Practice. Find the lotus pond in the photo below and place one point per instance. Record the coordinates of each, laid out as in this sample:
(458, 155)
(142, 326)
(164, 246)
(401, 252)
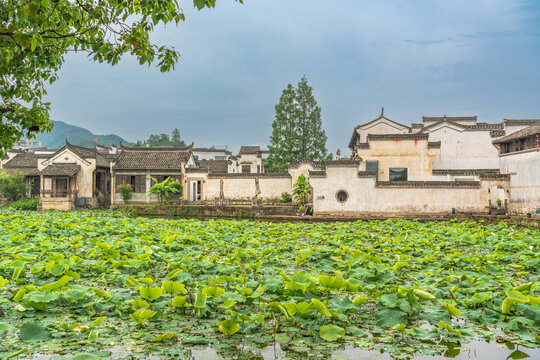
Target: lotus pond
(79, 284)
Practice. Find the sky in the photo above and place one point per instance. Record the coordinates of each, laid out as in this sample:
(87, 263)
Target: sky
(415, 58)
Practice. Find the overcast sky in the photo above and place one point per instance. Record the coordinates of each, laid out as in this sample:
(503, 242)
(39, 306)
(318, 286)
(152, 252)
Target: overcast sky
(422, 57)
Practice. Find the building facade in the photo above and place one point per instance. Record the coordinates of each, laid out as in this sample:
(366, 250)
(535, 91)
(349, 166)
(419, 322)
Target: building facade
(444, 164)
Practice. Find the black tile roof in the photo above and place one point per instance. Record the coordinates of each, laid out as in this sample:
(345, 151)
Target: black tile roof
(26, 160)
(449, 118)
(523, 133)
(61, 170)
(153, 158)
(214, 166)
(249, 150)
(314, 164)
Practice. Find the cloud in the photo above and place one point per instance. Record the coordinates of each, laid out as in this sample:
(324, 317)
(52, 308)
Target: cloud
(415, 58)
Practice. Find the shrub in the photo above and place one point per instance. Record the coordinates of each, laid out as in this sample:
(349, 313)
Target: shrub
(126, 192)
(165, 189)
(302, 190)
(286, 197)
(25, 204)
(13, 186)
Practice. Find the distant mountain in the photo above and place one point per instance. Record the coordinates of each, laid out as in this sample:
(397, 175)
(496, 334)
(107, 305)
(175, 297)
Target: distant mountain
(76, 135)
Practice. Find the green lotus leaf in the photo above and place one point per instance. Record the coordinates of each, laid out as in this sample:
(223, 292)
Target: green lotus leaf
(180, 301)
(58, 284)
(359, 300)
(7, 327)
(150, 293)
(331, 332)
(34, 332)
(85, 356)
(138, 304)
(141, 316)
(228, 327)
(214, 291)
(452, 309)
(321, 307)
(173, 287)
(391, 317)
(200, 301)
(424, 295)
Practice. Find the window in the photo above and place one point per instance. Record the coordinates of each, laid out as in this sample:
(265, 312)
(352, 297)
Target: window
(372, 165)
(61, 187)
(137, 181)
(246, 169)
(220, 157)
(195, 157)
(342, 196)
(398, 174)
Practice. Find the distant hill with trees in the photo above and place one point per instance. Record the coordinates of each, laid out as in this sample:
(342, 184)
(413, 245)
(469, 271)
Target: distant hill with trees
(162, 140)
(76, 135)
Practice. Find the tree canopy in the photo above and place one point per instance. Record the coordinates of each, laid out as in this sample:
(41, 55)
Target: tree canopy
(163, 140)
(35, 35)
(297, 129)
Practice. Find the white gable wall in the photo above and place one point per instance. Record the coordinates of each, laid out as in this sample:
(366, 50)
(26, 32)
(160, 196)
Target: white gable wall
(524, 170)
(462, 149)
(380, 127)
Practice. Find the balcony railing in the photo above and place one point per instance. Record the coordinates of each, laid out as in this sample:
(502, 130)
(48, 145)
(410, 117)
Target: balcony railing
(58, 193)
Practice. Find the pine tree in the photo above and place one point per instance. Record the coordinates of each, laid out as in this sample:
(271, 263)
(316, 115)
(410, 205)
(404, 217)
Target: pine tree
(297, 129)
(175, 138)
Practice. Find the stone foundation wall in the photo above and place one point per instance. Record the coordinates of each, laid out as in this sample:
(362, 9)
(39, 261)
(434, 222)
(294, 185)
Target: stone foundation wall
(56, 204)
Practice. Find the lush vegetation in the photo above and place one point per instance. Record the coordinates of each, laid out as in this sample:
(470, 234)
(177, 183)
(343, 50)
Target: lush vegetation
(83, 282)
(126, 192)
(36, 35)
(12, 185)
(25, 204)
(166, 189)
(302, 190)
(162, 140)
(297, 131)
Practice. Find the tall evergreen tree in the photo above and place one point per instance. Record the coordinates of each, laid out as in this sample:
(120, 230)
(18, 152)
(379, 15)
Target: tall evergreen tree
(297, 129)
(175, 138)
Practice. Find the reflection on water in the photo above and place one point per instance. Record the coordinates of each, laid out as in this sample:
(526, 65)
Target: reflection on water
(476, 350)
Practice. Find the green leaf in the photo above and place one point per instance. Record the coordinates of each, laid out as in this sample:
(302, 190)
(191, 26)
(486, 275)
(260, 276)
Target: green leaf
(179, 301)
(200, 301)
(452, 309)
(34, 332)
(98, 321)
(213, 291)
(391, 317)
(164, 337)
(228, 327)
(321, 307)
(195, 340)
(331, 332)
(150, 293)
(359, 300)
(7, 327)
(517, 354)
(58, 284)
(138, 304)
(86, 356)
(173, 287)
(141, 316)
(424, 295)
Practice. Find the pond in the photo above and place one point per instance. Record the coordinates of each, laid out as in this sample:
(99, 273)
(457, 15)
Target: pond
(475, 350)
(478, 350)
